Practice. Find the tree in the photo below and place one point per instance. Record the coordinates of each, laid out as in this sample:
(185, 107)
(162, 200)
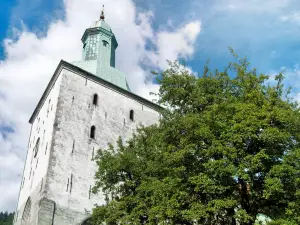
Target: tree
(225, 150)
(6, 218)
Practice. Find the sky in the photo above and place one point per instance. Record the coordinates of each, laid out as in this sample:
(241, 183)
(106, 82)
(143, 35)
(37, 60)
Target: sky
(35, 35)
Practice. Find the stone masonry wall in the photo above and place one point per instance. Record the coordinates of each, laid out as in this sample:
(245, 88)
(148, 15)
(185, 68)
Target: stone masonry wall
(71, 170)
(36, 164)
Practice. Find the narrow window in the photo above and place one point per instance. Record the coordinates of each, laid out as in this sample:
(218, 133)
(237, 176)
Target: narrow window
(46, 148)
(36, 147)
(41, 188)
(90, 191)
(73, 147)
(68, 185)
(37, 162)
(93, 130)
(95, 99)
(84, 45)
(71, 182)
(131, 115)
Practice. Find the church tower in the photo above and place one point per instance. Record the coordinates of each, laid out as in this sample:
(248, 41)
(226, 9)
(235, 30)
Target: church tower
(98, 53)
(86, 105)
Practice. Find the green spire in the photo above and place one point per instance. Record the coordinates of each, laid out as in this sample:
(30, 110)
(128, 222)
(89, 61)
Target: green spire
(98, 53)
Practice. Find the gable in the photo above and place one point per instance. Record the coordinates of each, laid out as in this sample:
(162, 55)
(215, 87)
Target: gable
(79, 71)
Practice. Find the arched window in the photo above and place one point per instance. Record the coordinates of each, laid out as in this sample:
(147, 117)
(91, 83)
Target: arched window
(93, 131)
(105, 43)
(131, 115)
(95, 99)
(87, 222)
(36, 147)
(26, 213)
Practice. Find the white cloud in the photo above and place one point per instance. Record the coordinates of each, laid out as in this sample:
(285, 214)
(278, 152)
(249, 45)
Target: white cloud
(291, 76)
(254, 5)
(293, 17)
(297, 97)
(31, 61)
(179, 42)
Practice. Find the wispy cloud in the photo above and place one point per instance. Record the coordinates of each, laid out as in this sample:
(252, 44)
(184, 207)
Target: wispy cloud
(254, 5)
(293, 17)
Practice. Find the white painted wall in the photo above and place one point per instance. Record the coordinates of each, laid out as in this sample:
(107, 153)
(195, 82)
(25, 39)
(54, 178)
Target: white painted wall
(74, 120)
(63, 125)
(42, 128)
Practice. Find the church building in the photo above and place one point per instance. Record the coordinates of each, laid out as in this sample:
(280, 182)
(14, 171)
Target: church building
(86, 105)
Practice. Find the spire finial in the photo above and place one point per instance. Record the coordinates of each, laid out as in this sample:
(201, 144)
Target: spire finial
(102, 14)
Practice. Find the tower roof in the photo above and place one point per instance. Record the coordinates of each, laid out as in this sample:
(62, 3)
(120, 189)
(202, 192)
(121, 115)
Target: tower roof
(101, 23)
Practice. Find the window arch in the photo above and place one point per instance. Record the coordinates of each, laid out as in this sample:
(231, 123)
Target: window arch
(93, 131)
(95, 99)
(131, 115)
(26, 213)
(105, 43)
(36, 147)
(87, 221)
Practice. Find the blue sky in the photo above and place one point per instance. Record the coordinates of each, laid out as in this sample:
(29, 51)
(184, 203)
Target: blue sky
(39, 33)
(34, 14)
(5, 18)
(269, 42)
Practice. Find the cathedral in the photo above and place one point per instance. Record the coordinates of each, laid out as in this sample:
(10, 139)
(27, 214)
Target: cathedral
(86, 105)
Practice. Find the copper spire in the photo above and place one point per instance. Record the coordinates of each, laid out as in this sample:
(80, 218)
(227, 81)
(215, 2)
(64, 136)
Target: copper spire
(102, 14)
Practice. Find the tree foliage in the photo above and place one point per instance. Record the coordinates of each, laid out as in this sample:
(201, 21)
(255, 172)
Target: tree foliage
(6, 218)
(225, 150)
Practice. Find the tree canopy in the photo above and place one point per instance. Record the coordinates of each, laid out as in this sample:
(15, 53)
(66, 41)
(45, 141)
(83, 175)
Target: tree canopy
(225, 150)
(6, 218)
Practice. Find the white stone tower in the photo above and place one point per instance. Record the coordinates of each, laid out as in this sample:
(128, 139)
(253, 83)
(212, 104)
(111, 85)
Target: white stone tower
(85, 105)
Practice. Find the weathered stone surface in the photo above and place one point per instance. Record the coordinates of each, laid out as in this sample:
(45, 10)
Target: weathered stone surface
(62, 196)
(46, 212)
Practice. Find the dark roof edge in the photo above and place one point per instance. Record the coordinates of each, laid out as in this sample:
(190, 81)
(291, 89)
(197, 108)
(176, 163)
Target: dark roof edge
(46, 92)
(91, 76)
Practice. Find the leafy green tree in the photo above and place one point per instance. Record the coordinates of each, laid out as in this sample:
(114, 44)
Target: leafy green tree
(6, 218)
(225, 150)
